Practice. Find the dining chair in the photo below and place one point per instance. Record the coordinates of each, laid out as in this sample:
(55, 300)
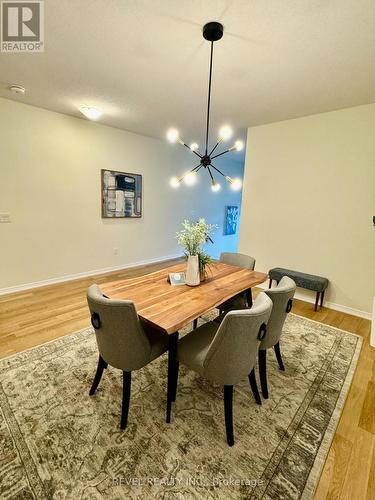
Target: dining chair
(282, 298)
(244, 299)
(241, 300)
(124, 342)
(225, 353)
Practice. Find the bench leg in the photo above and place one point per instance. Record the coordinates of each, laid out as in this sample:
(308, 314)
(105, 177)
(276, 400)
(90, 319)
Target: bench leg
(321, 299)
(317, 301)
(270, 283)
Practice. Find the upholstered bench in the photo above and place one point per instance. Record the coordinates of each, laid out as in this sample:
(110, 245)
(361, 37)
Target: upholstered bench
(316, 283)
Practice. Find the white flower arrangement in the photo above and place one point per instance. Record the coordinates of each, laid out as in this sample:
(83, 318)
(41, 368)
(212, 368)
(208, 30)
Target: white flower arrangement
(194, 235)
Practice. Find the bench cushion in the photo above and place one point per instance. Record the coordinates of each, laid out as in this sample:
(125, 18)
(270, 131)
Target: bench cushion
(303, 280)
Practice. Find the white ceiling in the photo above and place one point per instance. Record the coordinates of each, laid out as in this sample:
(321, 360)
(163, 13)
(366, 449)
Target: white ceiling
(145, 63)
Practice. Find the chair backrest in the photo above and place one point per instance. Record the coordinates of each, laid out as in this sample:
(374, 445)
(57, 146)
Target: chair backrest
(121, 339)
(232, 353)
(238, 259)
(281, 297)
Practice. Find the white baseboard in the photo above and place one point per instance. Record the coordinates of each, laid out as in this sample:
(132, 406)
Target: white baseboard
(87, 274)
(329, 305)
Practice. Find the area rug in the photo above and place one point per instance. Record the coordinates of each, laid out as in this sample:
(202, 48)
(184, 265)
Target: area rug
(56, 442)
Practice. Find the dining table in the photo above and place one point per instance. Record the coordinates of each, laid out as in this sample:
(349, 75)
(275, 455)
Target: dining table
(169, 308)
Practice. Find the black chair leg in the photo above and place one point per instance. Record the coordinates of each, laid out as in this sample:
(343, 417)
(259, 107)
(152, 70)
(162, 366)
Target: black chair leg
(321, 299)
(172, 369)
(126, 386)
(195, 323)
(249, 298)
(254, 387)
(263, 372)
(228, 412)
(278, 356)
(98, 375)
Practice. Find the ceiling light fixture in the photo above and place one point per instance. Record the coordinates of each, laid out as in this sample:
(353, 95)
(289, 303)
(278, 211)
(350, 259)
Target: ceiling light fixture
(212, 32)
(17, 89)
(90, 112)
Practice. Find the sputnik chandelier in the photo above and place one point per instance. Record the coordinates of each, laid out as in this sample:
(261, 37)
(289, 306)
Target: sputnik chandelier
(212, 32)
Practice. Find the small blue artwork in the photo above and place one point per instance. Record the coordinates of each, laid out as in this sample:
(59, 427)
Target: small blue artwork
(232, 215)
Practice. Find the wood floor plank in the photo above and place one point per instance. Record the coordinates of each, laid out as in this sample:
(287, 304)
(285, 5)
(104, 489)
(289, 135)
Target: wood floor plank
(367, 418)
(334, 472)
(371, 483)
(359, 468)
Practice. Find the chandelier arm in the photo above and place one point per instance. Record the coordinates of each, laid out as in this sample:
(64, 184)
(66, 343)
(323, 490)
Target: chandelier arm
(209, 96)
(196, 168)
(213, 149)
(189, 148)
(212, 177)
(217, 170)
(223, 153)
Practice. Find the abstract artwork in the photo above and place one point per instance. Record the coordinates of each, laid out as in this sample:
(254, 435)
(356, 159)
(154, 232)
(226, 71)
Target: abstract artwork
(121, 194)
(232, 214)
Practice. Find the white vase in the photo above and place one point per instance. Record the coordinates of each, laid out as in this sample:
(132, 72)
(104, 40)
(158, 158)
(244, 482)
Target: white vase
(192, 271)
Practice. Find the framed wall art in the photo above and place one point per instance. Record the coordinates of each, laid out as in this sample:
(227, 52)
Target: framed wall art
(232, 217)
(121, 194)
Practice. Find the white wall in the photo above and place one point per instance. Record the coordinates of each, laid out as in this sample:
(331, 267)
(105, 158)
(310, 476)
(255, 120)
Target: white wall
(50, 184)
(309, 198)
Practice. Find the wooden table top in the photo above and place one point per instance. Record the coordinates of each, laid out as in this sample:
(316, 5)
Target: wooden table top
(170, 308)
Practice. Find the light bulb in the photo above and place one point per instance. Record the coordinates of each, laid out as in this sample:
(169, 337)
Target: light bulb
(215, 186)
(238, 145)
(190, 178)
(225, 133)
(172, 135)
(174, 182)
(90, 112)
(194, 146)
(236, 184)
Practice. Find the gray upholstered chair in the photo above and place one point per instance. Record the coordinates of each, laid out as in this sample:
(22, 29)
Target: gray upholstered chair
(244, 299)
(123, 341)
(225, 353)
(281, 297)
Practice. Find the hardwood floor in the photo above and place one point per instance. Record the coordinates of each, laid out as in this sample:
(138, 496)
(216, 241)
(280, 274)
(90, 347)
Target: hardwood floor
(36, 316)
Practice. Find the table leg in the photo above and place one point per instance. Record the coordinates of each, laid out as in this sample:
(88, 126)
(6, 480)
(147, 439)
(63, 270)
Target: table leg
(172, 372)
(249, 298)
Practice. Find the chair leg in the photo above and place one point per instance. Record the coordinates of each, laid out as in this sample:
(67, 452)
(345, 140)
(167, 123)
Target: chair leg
(321, 299)
(172, 352)
(195, 323)
(228, 412)
(249, 298)
(126, 386)
(254, 387)
(98, 375)
(263, 372)
(316, 301)
(278, 356)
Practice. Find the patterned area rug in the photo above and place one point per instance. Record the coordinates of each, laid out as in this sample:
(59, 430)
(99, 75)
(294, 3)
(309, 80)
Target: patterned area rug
(56, 442)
